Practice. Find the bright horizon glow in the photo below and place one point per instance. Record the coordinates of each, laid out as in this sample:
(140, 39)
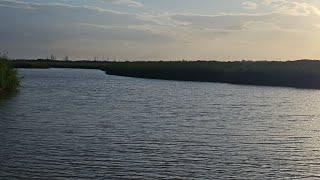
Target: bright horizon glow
(161, 30)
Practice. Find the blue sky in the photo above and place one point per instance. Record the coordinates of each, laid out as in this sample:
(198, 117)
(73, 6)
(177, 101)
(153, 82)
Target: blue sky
(161, 29)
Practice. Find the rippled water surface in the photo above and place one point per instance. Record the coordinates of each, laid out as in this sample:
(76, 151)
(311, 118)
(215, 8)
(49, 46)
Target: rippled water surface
(83, 124)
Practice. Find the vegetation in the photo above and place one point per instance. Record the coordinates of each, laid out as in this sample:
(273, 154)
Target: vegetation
(299, 74)
(9, 80)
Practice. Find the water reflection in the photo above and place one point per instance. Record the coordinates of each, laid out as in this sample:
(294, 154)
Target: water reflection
(8, 95)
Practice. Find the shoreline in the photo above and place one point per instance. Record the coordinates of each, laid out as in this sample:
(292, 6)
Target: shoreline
(302, 74)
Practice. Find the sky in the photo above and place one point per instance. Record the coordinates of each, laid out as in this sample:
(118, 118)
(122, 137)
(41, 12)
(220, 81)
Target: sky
(161, 29)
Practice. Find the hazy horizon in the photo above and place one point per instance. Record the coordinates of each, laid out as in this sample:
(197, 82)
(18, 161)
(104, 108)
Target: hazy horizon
(161, 30)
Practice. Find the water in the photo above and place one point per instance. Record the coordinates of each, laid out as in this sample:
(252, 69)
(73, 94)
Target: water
(83, 124)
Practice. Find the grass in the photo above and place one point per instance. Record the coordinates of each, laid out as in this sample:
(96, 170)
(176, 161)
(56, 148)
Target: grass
(298, 74)
(9, 80)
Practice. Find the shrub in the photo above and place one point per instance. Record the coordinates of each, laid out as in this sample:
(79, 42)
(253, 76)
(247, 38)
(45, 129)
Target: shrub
(9, 79)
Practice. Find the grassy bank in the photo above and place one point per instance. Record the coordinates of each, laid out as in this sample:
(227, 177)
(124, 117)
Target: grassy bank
(299, 74)
(9, 80)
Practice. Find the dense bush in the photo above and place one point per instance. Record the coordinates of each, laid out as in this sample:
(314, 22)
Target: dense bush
(9, 80)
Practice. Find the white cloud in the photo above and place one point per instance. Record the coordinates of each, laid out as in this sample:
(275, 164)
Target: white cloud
(249, 5)
(292, 7)
(260, 26)
(125, 2)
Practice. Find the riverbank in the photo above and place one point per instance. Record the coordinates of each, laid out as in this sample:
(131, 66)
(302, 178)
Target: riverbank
(297, 74)
(9, 80)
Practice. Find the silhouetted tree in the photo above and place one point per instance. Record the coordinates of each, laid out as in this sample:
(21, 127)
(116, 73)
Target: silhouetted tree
(52, 57)
(66, 58)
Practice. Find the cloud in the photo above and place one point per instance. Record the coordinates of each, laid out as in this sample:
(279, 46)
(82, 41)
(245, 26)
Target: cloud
(43, 28)
(66, 13)
(121, 33)
(15, 4)
(125, 2)
(249, 5)
(280, 21)
(292, 7)
(260, 26)
(84, 30)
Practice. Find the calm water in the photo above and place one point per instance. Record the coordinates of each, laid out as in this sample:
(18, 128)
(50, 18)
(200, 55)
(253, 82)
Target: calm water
(83, 124)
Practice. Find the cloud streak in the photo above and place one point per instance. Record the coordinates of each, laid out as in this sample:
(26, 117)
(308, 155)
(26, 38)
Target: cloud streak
(125, 2)
(249, 5)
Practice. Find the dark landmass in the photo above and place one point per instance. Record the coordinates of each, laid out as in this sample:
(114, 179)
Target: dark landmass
(9, 80)
(297, 74)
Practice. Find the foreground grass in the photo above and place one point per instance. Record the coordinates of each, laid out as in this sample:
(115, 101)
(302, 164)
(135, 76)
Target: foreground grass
(298, 74)
(9, 80)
